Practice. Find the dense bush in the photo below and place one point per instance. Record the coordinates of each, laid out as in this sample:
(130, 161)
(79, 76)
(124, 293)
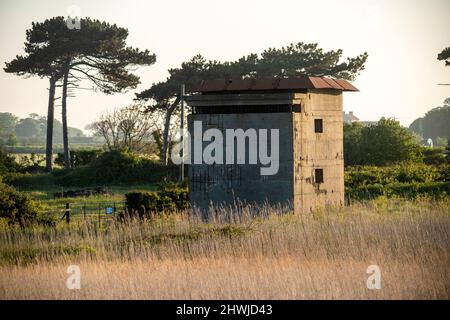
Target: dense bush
(30, 181)
(408, 180)
(434, 156)
(404, 190)
(380, 144)
(169, 197)
(34, 163)
(407, 173)
(18, 207)
(115, 167)
(7, 165)
(78, 157)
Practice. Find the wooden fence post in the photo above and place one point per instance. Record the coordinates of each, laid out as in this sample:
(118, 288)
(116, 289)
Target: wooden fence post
(67, 213)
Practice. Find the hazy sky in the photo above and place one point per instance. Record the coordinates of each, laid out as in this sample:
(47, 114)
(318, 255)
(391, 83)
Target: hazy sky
(402, 37)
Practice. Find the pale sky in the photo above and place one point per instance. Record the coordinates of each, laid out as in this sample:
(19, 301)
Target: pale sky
(402, 37)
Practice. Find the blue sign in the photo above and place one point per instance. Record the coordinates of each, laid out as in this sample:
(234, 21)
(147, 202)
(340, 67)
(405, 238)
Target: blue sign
(109, 210)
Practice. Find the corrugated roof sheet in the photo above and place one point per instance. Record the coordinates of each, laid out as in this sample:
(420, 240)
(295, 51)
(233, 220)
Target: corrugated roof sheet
(274, 84)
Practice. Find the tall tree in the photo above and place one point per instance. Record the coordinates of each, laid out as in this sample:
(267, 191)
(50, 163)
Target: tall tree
(96, 52)
(128, 128)
(39, 62)
(7, 125)
(299, 59)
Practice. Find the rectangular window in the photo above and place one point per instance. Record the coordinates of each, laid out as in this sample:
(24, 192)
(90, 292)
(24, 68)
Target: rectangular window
(318, 175)
(318, 125)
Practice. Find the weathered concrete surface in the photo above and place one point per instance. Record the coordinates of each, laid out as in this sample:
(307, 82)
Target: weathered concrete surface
(318, 151)
(302, 150)
(225, 184)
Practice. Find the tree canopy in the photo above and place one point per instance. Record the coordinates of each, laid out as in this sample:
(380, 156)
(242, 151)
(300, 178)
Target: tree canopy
(383, 143)
(33, 128)
(96, 52)
(301, 59)
(435, 123)
(444, 55)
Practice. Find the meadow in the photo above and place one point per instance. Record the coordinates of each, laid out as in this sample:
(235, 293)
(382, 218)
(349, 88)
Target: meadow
(269, 255)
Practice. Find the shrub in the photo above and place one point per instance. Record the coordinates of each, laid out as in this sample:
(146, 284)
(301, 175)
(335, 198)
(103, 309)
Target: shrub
(433, 156)
(383, 143)
(179, 196)
(115, 167)
(32, 164)
(137, 200)
(404, 190)
(407, 173)
(168, 198)
(408, 180)
(78, 157)
(7, 164)
(28, 180)
(18, 207)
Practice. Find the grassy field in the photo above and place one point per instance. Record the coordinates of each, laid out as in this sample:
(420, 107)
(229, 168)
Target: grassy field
(82, 205)
(319, 256)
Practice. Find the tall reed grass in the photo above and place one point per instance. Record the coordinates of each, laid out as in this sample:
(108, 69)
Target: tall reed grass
(269, 255)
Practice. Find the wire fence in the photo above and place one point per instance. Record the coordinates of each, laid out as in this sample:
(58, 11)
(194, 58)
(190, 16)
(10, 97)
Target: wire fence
(100, 210)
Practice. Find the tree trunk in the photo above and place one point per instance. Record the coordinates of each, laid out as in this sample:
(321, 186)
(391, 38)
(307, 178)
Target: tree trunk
(166, 131)
(64, 120)
(50, 117)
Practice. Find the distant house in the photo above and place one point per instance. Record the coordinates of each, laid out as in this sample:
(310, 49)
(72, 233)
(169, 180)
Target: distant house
(368, 123)
(349, 117)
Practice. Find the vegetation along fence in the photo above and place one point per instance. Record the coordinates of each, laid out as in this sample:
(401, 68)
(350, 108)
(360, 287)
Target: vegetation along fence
(100, 210)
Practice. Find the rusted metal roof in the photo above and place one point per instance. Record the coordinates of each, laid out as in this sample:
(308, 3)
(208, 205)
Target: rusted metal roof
(274, 84)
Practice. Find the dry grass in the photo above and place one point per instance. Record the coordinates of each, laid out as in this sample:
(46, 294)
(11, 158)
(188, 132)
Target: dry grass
(319, 256)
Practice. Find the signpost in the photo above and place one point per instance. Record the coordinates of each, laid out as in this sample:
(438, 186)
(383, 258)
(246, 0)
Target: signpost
(182, 134)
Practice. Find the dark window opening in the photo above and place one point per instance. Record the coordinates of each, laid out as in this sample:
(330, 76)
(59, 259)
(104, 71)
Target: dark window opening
(318, 125)
(243, 109)
(318, 175)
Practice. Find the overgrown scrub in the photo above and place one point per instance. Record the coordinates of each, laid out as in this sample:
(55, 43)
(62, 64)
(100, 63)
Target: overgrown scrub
(115, 167)
(29, 181)
(18, 208)
(323, 255)
(383, 143)
(168, 198)
(435, 156)
(407, 180)
(78, 157)
(8, 165)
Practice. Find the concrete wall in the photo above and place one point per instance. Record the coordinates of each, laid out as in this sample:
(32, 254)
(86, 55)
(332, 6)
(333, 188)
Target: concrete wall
(301, 152)
(225, 184)
(318, 151)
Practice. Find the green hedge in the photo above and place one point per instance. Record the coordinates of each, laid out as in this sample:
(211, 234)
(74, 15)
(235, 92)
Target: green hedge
(115, 168)
(79, 157)
(18, 207)
(168, 198)
(358, 176)
(407, 180)
(405, 190)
